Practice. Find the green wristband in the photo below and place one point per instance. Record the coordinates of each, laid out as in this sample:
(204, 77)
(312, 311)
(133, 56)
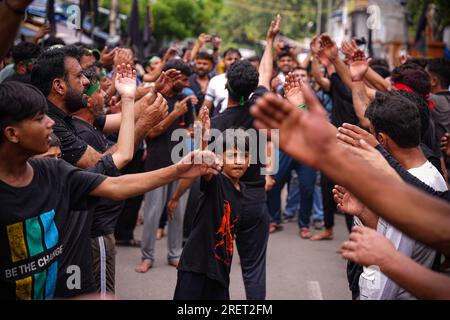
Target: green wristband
(302, 106)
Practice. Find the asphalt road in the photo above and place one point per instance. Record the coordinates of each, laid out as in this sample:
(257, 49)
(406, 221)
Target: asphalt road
(297, 269)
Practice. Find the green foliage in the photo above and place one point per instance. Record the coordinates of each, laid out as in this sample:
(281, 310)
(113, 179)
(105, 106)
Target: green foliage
(442, 13)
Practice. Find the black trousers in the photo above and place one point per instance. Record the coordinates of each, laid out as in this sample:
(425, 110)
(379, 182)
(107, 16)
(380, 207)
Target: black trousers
(251, 242)
(128, 216)
(197, 286)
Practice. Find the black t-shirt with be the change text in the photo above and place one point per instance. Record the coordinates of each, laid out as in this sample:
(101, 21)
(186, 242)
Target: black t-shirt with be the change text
(45, 241)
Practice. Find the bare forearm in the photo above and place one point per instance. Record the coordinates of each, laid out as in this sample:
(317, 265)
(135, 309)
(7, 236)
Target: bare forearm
(421, 282)
(153, 75)
(368, 218)
(126, 141)
(195, 50)
(266, 66)
(360, 102)
(183, 186)
(131, 185)
(343, 72)
(401, 205)
(377, 81)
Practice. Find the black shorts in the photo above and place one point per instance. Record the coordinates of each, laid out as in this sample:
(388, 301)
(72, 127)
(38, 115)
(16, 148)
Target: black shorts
(197, 286)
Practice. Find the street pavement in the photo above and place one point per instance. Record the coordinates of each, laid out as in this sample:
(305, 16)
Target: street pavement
(297, 269)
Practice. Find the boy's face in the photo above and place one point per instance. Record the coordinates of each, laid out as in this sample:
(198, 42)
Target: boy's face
(33, 134)
(235, 163)
(53, 152)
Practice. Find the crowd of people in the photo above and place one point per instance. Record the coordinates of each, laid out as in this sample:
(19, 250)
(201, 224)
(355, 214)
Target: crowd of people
(87, 138)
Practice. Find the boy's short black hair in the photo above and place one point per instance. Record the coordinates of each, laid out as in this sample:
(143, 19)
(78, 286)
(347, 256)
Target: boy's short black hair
(179, 65)
(232, 50)
(51, 65)
(398, 117)
(240, 139)
(242, 79)
(414, 77)
(441, 69)
(25, 51)
(19, 101)
(422, 105)
(205, 56)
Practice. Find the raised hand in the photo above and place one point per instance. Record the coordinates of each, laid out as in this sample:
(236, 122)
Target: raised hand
(367, 247)
(123, 56)
(166, 81)
(198, 163)
(203, 117)
(359, 65)
(107, 58)
(126, 81)
(306, 136)
(349, 48)
(347, 202)
(315, 45)
(182, 106)
(274, 28)
(328, 47)
(171, 206)
(352, 135)
(445, 144)
(154, 110)
(293, 89)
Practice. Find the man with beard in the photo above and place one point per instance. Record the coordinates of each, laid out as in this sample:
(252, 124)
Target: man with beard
(58, 75)
(199, 80)
(159, 151)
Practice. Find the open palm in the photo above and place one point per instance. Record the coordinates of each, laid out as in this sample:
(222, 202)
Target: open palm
(126, 81)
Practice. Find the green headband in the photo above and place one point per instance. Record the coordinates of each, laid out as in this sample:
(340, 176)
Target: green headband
(92, 89)
(101, 74)
(241, 99)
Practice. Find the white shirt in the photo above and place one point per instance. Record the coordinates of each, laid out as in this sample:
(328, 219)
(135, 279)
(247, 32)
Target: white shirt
(373, 284)
(217, 93)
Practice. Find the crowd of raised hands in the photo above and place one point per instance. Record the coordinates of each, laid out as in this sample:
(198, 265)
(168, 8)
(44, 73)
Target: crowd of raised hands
(368, 186)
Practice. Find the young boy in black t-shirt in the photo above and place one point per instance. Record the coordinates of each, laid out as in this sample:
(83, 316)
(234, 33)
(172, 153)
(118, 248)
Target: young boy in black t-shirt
(205, 264)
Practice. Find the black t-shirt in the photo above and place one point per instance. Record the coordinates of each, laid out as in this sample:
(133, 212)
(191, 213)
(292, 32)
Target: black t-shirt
(106, 211)
(209, 248)
(240, 117)
(197, 88)
(44, 240)
(72, 147)
(159, 148)
(343, 110)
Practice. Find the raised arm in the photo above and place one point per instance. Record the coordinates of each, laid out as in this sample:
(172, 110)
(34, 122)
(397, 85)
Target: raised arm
(266, 66)
(359, 66)
(126, 86)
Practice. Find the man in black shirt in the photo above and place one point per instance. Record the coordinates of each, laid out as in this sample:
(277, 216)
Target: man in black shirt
(40, 258)
(159, 155)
